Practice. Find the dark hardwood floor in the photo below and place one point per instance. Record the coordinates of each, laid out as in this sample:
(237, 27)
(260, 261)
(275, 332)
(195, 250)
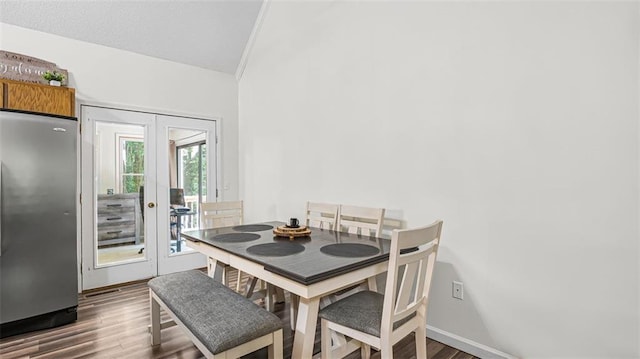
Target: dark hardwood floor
(113, 324)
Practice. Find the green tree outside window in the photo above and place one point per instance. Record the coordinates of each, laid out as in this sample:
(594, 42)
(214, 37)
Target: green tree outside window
(133, 166)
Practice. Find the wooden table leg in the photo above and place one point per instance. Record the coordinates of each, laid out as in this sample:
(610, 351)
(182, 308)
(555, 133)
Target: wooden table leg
(293, 309)
(217, 270)
(305, 332)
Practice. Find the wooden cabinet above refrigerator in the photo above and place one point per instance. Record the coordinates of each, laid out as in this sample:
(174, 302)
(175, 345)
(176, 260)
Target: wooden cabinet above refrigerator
(56, 100)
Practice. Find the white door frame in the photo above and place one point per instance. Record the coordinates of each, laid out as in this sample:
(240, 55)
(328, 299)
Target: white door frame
(94, 276)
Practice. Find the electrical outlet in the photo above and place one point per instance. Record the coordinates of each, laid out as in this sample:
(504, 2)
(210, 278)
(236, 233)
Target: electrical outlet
(458, 290)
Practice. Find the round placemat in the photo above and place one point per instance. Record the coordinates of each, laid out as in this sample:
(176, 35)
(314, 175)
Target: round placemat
(236, 237)
(277, 249)
(350, 250)
(252, 228)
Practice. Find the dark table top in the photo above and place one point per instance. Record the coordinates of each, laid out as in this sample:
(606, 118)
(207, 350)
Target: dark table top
(312, 263)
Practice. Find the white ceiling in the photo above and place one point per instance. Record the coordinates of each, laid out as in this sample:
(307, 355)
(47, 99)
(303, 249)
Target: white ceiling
(211, 34)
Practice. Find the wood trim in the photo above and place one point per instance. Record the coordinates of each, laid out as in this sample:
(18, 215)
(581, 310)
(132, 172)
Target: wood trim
(117, 286)
(467, 345)
(114, 286)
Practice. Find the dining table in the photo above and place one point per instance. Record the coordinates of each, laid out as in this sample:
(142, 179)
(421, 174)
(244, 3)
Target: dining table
(310, 268)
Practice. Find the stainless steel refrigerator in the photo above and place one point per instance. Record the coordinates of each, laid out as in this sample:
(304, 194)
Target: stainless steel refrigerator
(38, 198)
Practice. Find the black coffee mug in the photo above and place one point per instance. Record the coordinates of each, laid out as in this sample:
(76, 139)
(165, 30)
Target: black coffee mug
(293, 222)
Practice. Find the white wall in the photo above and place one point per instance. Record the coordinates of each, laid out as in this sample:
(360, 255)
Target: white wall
(103, 75)
(516, 123)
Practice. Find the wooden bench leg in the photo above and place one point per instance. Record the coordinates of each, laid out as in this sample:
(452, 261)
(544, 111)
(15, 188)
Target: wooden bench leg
(275, 350)
(155, 319)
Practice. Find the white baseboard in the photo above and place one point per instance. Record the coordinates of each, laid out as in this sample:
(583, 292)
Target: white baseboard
(466, 345)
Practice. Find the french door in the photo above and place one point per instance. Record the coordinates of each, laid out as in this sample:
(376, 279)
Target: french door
(143, 177)
(185, 175)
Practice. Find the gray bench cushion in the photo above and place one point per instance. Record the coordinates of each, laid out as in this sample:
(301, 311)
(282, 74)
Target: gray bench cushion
(219, 317)
(361, 311)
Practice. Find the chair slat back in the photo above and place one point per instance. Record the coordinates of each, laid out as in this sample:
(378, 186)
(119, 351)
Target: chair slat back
(322, 215)
(221, 214)
(361, 220)
(411, 261)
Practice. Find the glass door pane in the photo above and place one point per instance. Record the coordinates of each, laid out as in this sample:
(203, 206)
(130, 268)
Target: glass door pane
(184, 174)
(192, 177)
(119, 169)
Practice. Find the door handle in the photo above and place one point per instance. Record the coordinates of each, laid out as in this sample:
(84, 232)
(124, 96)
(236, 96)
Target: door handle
(151, 205)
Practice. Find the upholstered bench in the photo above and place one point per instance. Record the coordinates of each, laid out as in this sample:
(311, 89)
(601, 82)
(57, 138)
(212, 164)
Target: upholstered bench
(220, 322)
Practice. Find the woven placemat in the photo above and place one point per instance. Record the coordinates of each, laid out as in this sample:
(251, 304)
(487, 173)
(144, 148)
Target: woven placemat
(350, 250)
(277, 249)
(252, 228)
(236, 237)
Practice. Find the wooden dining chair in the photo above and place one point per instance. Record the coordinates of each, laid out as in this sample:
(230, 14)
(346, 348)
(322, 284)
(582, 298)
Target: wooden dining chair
(364, 221)
(230, 213)
(353, 219)
(223, 214)
(319, 215)
(361, 220)
(375, 320)
(322, 215)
